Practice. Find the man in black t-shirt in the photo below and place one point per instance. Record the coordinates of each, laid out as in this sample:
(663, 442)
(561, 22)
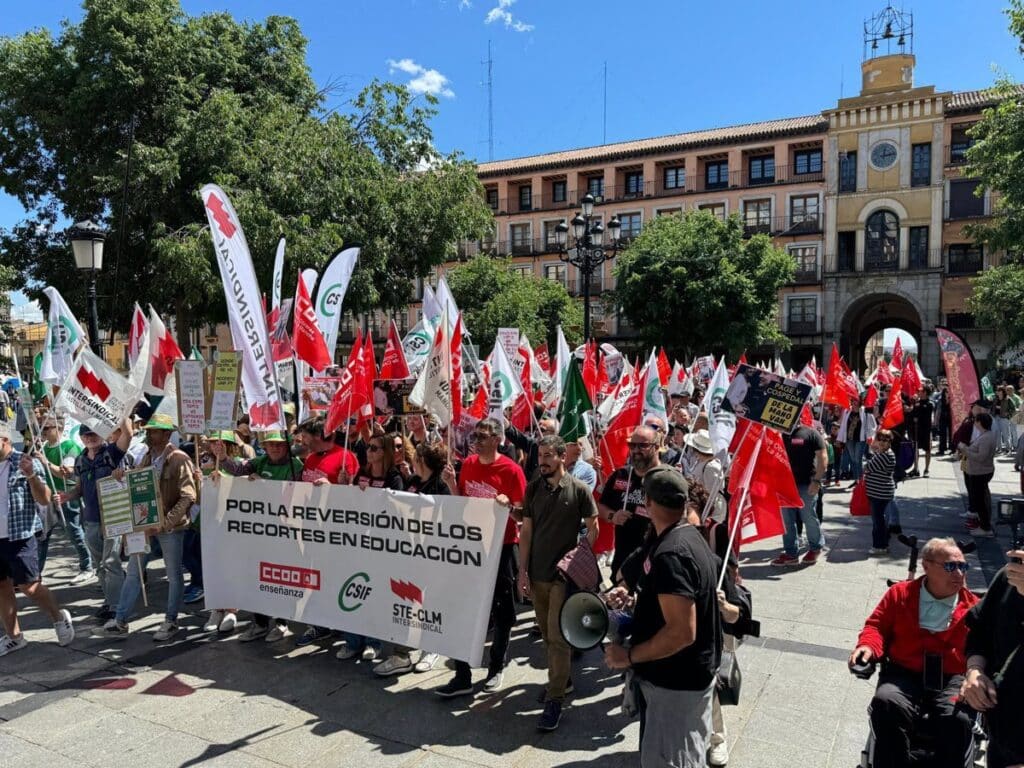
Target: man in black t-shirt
(808, 458)
(676, 642)
(622, 500)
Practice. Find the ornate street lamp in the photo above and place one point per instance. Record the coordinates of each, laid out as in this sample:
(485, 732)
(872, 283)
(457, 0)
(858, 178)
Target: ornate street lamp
(589, 250)
(87, 238)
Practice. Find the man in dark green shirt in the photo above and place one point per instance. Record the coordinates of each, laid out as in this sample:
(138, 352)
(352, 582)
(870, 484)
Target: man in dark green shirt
(554, 507)
(60, 457)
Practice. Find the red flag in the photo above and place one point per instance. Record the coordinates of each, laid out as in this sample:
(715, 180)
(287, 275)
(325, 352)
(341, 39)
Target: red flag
(352, 397)
(357, 347)
(455, 348)
(603, 386)
(277, 326)
(893, 415)
(543, 358)
(806, 417)
(871, 397)
(897, 355)
(478, 410)
(590, 369)
(163, 353)
(838, 390)
(369, 357)
(743, 359)
(613, 447)
(310, 346)
(762, 467)
(911, 381)
(664, 368)
(883, 375)
(394, 365)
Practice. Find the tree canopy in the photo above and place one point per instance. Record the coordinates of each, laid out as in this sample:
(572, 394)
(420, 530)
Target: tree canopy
(693, 283)
(491, 296)
(141, 97)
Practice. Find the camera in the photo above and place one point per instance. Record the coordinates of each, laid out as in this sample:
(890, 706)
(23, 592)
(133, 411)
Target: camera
(1011, 512)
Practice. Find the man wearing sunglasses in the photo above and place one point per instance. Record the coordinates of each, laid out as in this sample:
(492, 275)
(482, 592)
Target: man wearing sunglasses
(919, 633)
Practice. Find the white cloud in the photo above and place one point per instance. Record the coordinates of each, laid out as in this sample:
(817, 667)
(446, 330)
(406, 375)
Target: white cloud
(423, 80)
(501, 13)
(464, 4)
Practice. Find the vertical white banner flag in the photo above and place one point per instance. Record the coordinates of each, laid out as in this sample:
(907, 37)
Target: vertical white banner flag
(275, 289)
(505, 386)
(63, 337)
(245, 311)
(721, 423)
(433, 389)
(446, 300)
(431, 306)
(654, 399)
(331, 292)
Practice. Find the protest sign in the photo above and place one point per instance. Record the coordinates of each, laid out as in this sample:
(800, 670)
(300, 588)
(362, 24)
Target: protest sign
(403, 568)
(191, 380)
(227, 372)
(766, 397)
(318, 391)
(509, 340)
(132, 504)
(705, 368)
(391, 398)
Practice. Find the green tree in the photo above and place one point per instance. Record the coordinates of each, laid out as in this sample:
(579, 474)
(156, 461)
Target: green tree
(694, 284)
(192, 100)
(491, 296)
(997, 159)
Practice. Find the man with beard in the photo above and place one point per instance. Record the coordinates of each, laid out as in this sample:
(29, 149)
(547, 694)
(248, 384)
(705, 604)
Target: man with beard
(554, 507)
(622, 500)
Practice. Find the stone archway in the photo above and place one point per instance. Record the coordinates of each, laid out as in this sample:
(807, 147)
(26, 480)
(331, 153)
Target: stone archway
(870, 314)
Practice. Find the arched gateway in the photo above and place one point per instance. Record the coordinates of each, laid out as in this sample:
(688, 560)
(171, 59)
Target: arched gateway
(874, 312)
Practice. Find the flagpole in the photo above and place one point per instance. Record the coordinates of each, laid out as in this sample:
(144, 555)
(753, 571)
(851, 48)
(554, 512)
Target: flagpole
(721, 482)
(734, 528)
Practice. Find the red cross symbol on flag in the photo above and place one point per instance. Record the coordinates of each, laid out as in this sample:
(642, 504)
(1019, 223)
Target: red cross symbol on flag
(93, 383)
(220, 215)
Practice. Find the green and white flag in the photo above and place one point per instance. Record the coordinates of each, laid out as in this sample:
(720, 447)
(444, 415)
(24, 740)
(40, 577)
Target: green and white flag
(505, 387)
(416, 345)
(63, 338)
(654, 398)
(575, 403)
(986, 388)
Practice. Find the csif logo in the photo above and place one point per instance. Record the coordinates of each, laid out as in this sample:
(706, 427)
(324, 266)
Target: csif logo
(329, 300)
(354, 592)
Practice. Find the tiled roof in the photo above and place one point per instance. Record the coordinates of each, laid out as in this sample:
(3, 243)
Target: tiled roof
(674, 142)
(974, 101)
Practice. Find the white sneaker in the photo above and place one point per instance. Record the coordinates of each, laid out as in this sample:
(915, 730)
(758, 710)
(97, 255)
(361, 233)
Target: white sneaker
(370, 653)
(278, 632)
(228, 623)
(393, 665)
(84, 577)
(213, 623)
(64, 628)
(12, 644)
(718, 754)
(166, 631)
(427, 662)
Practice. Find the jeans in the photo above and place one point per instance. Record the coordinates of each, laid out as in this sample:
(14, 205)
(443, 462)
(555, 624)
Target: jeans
(359, 642)
(879, 525)
(548, 598)
(892, 513)
(504, 607)
(1000, 427)
(73, 526)
(853, 458)
(106, 556)
(192, 557)
(172, 545)
(809, 516)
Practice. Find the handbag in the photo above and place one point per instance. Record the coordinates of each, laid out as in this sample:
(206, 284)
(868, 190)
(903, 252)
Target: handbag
(729, 679)
(579, 566)
(859, 504)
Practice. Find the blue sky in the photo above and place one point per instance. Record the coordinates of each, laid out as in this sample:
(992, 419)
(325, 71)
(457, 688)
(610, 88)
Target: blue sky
(673, 65)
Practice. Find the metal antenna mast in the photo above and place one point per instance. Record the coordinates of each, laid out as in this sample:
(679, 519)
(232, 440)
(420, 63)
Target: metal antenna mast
(604, 115)
(490, 104)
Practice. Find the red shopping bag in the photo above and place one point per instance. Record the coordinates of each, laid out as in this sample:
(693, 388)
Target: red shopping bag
(859, 504)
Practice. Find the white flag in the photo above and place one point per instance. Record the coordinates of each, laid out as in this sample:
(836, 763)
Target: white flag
(721, 423)
(96, 395)
(538, 375)
(446, 300)
(245, 311)
(331, 292)
(63, 337)
(431, 306)
(417, 344)
(433, 388)
(562, 357)
(654, 398)
(275, 288)
(679, 382)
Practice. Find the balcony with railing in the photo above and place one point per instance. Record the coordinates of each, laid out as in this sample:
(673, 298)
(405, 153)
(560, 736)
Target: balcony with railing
(806, 273)
(784, 226)
(964, 262)
(958, 152)
(846, 263)
(801, 327)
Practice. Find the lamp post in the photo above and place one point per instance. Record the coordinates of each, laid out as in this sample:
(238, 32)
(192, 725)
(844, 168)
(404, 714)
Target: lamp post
(589, 251)
(87, 239)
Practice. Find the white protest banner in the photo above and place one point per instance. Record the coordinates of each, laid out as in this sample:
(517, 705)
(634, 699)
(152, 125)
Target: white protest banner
(191, 380)
(96, 395)
(509, 340)
(403, 568)
(224, 391)
(331, 293)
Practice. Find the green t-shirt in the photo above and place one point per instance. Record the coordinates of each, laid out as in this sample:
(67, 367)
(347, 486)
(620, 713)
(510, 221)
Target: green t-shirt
(60, 455)
(269, 471)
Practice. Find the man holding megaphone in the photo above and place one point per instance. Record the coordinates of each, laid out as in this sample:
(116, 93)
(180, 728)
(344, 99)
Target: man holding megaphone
(676, 644)
(554, 507)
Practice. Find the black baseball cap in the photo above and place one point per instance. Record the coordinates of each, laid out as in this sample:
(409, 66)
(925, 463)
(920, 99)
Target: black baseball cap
(666, 486)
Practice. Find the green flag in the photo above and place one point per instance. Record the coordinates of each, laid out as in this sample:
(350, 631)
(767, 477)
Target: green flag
(195, 354)
(575, 402)
(986, 388)
(38, 388)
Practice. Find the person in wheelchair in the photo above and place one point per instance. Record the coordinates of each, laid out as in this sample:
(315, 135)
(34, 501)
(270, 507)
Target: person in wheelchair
(918, 632)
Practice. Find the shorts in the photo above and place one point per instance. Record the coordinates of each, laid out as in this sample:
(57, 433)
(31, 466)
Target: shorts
(19, 561)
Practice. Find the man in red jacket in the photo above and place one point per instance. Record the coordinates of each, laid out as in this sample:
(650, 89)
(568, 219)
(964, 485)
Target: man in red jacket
(914, 621)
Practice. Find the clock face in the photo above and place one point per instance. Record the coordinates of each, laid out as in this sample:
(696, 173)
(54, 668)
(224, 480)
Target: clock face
(883, 156)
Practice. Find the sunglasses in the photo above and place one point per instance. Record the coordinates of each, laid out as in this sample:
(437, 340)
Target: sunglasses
(479, 437)
(639, 446)
(950, 566)
(375, 448)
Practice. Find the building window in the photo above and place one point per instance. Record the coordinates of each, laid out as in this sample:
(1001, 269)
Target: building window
(521, 270)
(715, 209)
(558, 192)
(492, 199)
(630, 226)
(846, 243)
(807, 161)
(525, 198)
(675, 178)
(917, 256)
(921, 165)
(882, 241)
(762, 170)
(757, 216)
(806, 259)
(963, 203)
(716, 174)
(848, 172)
(595, 186)
(959, 143)
(669, 212)
(634, 184)
(959, 321)
(550, 236)
(520, 239)
(804, 215)
(555, 273)
(803, 315)
(965, 259)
